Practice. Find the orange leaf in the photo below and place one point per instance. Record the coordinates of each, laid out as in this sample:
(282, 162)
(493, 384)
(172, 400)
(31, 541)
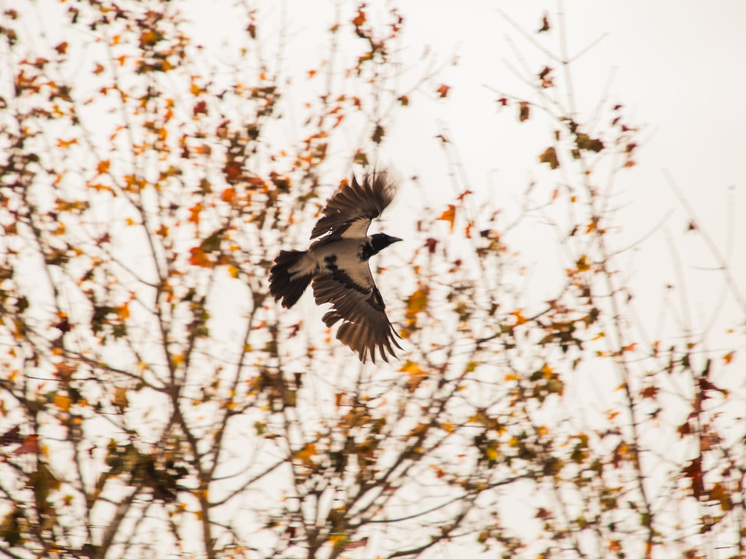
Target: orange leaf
(199, 258)
(124, 311)
(228, 194)
(520, 319)
(103, 166)
(306, 454)
(62, 402)
(359, 19)
(66, 143)
(449, 215)
(443, 90)
(194, 212)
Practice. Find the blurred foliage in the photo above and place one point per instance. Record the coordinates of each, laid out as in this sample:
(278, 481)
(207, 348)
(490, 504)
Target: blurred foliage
(156, 403)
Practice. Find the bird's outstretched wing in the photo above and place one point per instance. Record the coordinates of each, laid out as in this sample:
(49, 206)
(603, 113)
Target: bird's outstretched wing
(365, 327)
(350, 210)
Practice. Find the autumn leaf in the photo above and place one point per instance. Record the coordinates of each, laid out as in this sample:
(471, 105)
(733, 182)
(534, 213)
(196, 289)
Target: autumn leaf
(416, 303)
(449, 215)
(411, 368)
(200, 108)
(199, 258)
(306, 454)
(430, 244)
(359, 19)
(62, 401)
(194, 212)
(443, 90)
(29, 446)
(545, 78)
(585, 142)
(694, 472)
(378, 134)
(123, 311)
(524, 111)
(120, 398)
(228, 194)
(544, 25)
(519, 318)
(361, 158)
(12, 436)
(550, 157)
(64, 371)
(66, 143)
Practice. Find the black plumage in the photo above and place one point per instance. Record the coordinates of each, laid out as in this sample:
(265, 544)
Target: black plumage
(336, 264)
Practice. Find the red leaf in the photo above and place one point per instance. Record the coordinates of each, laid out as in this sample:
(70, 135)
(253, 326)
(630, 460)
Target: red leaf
(29, 446)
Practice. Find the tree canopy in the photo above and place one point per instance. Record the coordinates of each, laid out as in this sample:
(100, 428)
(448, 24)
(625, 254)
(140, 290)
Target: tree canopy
(155, 401)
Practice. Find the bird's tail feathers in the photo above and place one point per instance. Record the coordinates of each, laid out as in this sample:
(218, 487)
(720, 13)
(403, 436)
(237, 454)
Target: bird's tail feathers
(286, 284)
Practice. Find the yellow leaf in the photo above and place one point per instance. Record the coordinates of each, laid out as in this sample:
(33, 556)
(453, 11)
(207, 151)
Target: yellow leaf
(63, 402)
(412, 368)
(416, 303)
(306, 454)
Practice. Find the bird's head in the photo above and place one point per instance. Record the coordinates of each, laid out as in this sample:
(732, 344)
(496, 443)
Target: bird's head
(380, 241)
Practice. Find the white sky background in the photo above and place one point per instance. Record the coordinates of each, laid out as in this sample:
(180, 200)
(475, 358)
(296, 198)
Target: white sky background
(675, 67)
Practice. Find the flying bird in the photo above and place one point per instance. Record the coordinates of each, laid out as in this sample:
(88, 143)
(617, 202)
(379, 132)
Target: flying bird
(337, 265)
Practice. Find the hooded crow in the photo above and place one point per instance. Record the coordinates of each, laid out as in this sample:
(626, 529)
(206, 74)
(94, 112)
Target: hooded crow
(337, 264)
